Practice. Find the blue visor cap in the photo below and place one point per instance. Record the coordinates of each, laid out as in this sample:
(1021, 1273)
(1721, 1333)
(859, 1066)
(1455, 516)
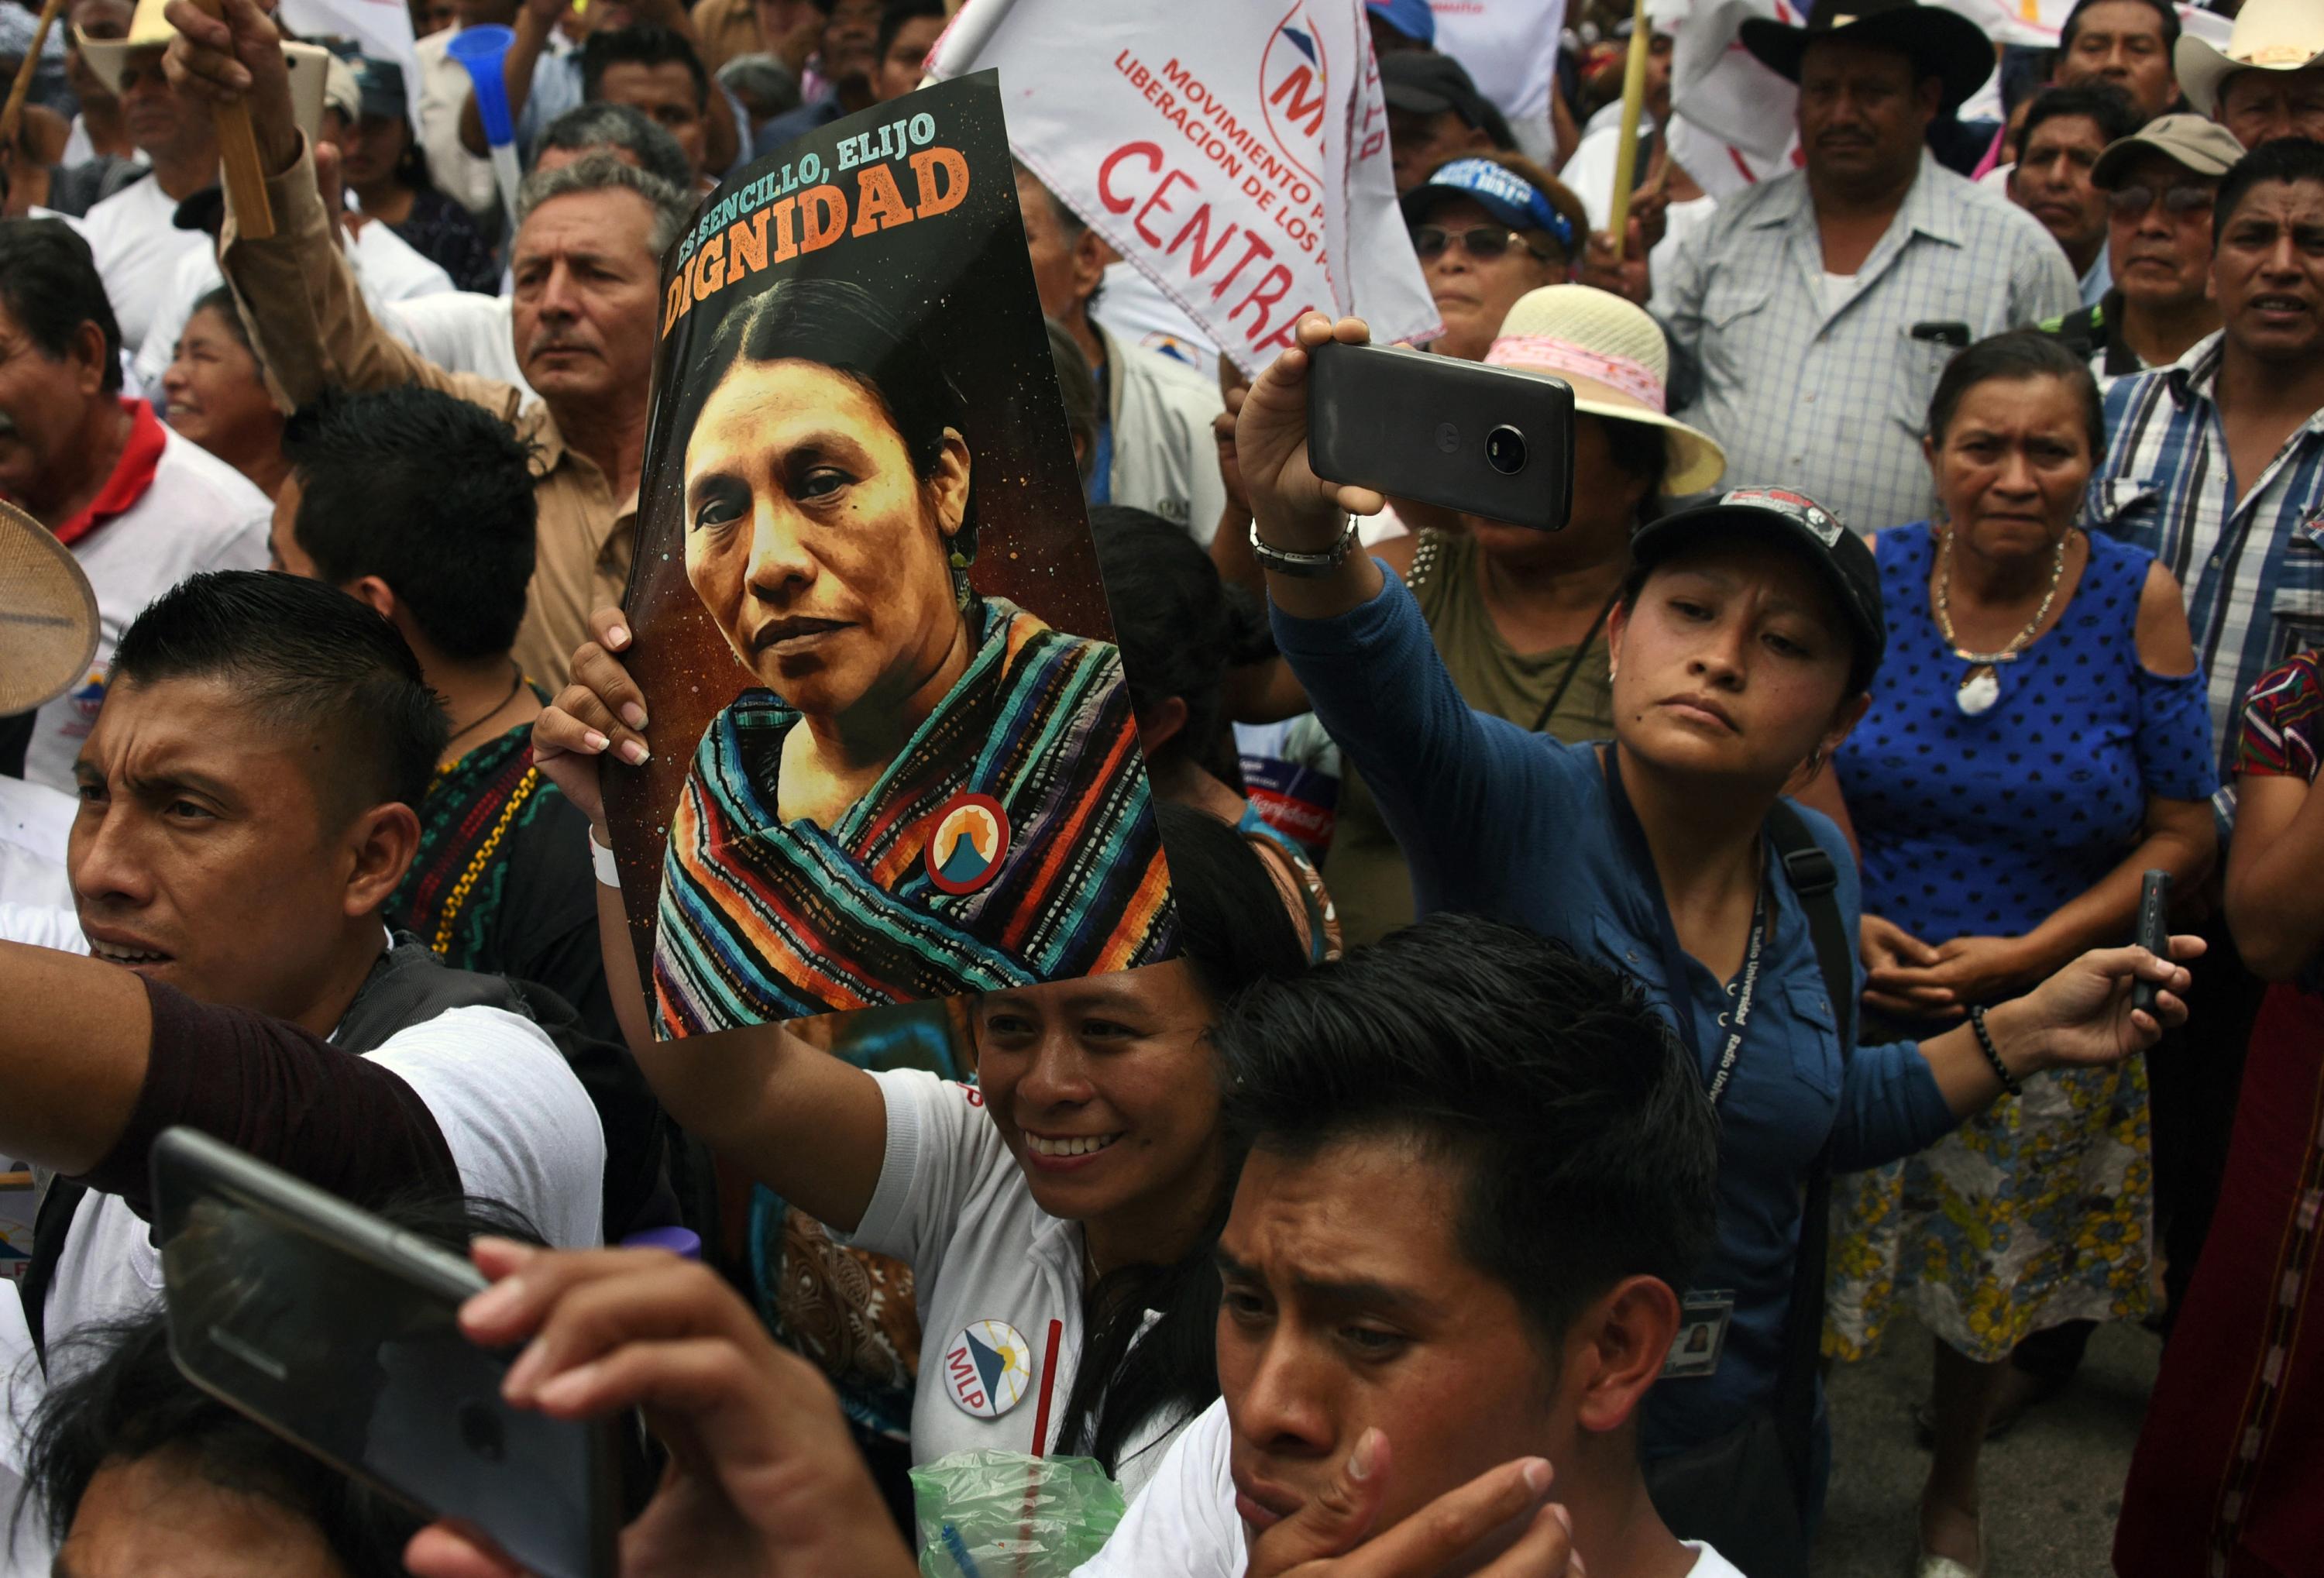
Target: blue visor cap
(1415, 19)
(1503, 193)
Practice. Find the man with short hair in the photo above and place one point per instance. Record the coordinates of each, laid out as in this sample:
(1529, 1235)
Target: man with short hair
(1154, 445)
(908, 30)
(137, 244)
(1823, 305)
(656, 72)
(2125, 43)
(1436, 114)
(543, 82)
(140, 507)
(245, 814)
(2158, 186)
(2066, 130)
(420, 505)
(2268, 81)
(1479, 1171)
(587, 263)
(841, 71)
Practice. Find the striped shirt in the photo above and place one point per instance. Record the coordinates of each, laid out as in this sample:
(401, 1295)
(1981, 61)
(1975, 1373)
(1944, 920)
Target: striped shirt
(2252, 572)
(1831, 396)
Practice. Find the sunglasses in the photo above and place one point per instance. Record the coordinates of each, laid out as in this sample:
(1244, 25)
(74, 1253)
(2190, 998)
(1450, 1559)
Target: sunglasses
(1485, 243)
(2131, 201)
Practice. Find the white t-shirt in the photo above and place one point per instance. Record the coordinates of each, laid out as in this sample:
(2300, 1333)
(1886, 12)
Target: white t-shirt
(35, 822)
(199, 514)
(461, 331)
(387, 268)
(1185, 1525)
(1590, 176)
(953, 1204)
(137, 249)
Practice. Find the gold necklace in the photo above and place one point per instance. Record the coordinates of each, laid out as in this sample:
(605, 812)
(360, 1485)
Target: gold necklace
(1980, 687)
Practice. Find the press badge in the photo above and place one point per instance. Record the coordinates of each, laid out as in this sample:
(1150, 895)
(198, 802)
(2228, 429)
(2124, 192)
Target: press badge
(1703, 1320)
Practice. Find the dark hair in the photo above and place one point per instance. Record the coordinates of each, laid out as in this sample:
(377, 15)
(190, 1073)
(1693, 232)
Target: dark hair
(2102, 103)
(309, 659)
(50, 284)
(899, 11)
(642, 44)
(2017, 355)
(120, 1398)
(1179, 627)
(220, 300)
(2280, 159)
(1640, 451)
(840, 325)
(1235, 932)
(1586, 1147)
(2164, 12)
(624, 126)
(1077, 388)
(430, 493)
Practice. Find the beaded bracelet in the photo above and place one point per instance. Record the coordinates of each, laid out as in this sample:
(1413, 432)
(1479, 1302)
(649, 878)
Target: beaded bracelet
(1992, 1053)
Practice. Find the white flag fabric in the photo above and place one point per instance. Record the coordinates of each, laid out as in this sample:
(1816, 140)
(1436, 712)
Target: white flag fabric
(1509, 49)
(1736, 120)
(382, 27)
(1238, 158)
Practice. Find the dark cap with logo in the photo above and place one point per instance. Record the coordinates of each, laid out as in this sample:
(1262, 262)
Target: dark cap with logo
(1430, 83)
(1793, 520)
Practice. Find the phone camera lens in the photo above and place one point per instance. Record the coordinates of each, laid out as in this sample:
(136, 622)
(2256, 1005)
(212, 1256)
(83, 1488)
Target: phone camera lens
(1505, 451)
(479, 1432)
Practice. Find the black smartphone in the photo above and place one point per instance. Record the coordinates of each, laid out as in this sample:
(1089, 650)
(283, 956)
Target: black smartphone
(2153, 931)
(1487, 441)
(340, 1332)
(1953, 333)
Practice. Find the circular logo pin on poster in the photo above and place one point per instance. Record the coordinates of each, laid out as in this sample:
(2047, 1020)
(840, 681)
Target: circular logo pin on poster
(969, 841)
(987, 1369)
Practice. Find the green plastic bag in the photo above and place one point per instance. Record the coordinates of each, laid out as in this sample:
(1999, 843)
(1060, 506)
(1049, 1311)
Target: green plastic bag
(1009, 1514)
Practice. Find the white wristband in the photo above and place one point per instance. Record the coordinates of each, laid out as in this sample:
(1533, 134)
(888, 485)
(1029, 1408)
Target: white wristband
(609, 872)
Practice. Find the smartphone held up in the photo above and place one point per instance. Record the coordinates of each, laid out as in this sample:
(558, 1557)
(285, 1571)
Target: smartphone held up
(1487, 441)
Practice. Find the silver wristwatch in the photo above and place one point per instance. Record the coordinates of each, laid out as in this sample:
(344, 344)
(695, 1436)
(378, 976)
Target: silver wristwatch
(1283, 561)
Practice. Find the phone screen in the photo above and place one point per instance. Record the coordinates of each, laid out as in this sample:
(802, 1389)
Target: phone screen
(353, 1350)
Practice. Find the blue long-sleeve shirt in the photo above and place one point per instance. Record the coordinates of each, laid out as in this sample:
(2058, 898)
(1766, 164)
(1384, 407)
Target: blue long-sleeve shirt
(1500, 822)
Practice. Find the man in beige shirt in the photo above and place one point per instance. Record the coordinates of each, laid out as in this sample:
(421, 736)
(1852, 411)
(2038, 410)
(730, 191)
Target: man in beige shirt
(589, 241)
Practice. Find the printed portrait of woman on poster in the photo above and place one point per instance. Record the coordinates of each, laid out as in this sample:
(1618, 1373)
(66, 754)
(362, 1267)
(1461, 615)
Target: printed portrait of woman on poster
(865, 591)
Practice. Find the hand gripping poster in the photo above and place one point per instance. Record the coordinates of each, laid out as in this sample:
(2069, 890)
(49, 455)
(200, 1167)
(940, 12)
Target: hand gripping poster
(894, 755)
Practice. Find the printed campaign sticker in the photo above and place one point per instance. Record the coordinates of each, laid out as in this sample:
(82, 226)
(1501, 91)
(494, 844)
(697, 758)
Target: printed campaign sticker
(987, 1369)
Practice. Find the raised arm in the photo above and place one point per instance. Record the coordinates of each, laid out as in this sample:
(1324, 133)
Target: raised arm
(810, 1126)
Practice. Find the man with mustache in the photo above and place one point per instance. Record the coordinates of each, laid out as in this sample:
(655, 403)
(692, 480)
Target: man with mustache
(586, 259)
(2124, 43)
(2158, 187)
(2268, 81)
(1823, 305)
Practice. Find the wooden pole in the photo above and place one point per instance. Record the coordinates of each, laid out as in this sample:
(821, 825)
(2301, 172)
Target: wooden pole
(13, 111)
(245, 178)
(1634, 103)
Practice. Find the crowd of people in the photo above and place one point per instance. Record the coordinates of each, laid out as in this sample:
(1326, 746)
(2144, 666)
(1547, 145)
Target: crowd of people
(1619, 970)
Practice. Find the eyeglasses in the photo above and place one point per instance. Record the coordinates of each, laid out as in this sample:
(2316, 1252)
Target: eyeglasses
(2131, 201)
(1485, 243)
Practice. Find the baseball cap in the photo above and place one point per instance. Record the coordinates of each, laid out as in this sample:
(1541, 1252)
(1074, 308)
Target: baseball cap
(1412, 18)
(1841, 560)
(1430, 83)
(380, 86)
(1500, 191)
(2197, 142)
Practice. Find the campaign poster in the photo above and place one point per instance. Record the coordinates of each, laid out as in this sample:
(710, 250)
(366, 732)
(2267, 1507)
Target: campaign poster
(894, 759)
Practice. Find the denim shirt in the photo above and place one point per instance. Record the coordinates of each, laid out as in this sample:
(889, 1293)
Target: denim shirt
(1500, 822)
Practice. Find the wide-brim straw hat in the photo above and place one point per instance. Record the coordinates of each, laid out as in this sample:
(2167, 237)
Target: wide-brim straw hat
(48, 614)
(2270, 35)
(148, 30)
(1619, 363)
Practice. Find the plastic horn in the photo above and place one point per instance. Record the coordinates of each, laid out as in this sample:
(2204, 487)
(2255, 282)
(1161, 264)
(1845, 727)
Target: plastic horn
(482, 49)
(1634, 102)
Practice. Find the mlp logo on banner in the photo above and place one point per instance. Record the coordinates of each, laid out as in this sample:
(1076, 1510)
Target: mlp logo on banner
(1239, 159)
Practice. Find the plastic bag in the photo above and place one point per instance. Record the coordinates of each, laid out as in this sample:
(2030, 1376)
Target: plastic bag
(1008, 1515)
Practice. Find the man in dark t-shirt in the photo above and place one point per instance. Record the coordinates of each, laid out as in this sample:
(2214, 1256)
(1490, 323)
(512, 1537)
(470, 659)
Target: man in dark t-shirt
(421, 505)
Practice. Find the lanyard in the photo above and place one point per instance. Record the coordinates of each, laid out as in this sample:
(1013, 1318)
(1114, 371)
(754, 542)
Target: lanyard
(1641, 860)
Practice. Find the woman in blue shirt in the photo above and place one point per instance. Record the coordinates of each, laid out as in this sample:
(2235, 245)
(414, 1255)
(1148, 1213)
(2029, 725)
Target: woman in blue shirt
(1735, 668)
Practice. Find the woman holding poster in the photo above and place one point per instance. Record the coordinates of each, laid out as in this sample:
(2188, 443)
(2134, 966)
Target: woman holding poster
(925, 790)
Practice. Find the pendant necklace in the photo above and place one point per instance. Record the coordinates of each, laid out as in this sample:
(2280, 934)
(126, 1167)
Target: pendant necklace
(1980, 687)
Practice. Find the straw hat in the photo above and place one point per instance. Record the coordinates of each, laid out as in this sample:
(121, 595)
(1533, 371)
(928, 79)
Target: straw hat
(148, 30)
(2270, 35)
(48, 614)
(1619, 363)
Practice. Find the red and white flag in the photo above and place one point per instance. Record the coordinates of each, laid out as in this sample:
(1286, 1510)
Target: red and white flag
(1238, 157)
(1736, 120)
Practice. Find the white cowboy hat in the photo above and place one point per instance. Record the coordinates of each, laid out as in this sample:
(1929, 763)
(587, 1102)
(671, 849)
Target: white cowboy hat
(2270, 35)
(1619, 363)
(148, 30)
(48, 614)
